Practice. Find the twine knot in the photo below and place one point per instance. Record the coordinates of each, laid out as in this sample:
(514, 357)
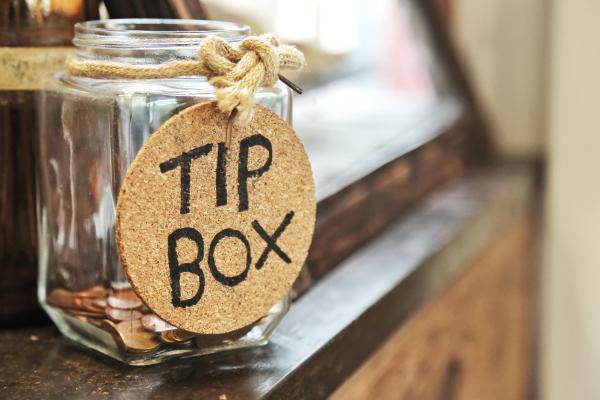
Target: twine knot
(235, 72)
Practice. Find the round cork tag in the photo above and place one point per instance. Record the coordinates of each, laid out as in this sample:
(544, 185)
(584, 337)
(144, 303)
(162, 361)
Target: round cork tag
(212, 236)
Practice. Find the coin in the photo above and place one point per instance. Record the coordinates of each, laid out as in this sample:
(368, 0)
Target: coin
(84, 313)
(118, 315)
(124, 299)
(101, 302)
(62, 298)
(92, 292)
(89, 304)
(131, 337)
(166, 337)
(153, 323)
(215, 340)
(180, 336)
(121, 314)
(176, 336)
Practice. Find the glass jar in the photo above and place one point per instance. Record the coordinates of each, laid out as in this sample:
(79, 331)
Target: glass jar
(91, 130)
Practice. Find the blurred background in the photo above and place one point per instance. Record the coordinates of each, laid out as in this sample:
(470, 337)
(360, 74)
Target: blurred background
(533, 67)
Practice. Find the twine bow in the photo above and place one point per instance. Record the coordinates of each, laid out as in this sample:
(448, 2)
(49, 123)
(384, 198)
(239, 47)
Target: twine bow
(235, 72)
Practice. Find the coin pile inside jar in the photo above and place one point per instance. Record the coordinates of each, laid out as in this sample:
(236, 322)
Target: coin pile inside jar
(134, 328)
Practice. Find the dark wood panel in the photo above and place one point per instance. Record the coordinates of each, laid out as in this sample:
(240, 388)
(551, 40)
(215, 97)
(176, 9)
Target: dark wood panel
(356, 214)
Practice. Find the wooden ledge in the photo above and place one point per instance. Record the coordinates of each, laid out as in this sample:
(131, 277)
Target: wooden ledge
(328, 333)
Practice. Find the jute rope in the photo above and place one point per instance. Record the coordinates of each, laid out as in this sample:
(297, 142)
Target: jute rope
(235, 72)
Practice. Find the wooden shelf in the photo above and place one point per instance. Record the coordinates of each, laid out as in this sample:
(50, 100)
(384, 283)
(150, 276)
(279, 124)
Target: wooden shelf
(328, 333)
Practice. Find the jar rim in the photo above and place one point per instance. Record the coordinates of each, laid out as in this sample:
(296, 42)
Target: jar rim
(146, 32)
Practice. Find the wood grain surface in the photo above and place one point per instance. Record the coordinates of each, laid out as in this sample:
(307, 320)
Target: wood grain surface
(469, 343)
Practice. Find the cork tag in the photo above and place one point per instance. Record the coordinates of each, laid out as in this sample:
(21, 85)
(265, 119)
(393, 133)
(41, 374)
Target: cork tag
(211, 236)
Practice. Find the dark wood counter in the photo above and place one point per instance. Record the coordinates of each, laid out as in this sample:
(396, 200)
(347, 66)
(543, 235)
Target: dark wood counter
(328, 333)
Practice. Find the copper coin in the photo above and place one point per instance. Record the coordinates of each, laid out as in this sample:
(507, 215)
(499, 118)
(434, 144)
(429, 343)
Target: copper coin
(215, 340)
(108, 325)
(93, 292)
(84, 313)
(180, 336)
(124, 299)
(118, 315)
(131, 337)
(89, 304)
(100, 302)
(166, 337)
(176, 336)
(153, 323)
(62, 298)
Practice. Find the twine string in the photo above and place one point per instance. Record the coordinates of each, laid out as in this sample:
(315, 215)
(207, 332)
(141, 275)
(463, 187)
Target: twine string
(229, 129)
(234, 72)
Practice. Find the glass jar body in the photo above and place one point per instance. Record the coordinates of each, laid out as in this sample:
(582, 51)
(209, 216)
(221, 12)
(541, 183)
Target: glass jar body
(91, 130)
